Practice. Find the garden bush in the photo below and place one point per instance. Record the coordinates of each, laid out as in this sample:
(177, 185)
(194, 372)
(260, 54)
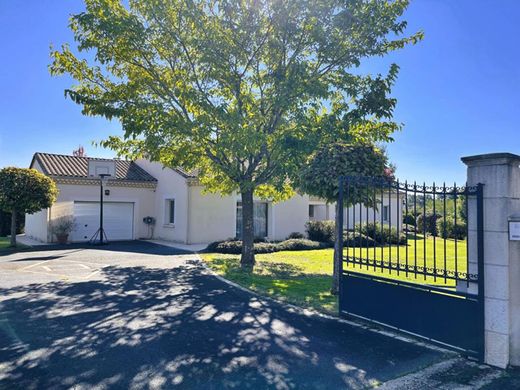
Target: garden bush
(409, 219)
(409, 228)
(297, 244)
(382, 234)
(448, 229)
(428, 222)
(358, 240)
(297, 235)
(322, 231)
(234, 246)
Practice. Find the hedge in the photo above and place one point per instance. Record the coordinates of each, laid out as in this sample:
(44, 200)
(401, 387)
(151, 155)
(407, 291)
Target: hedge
(447, 228)
(322, 231)
(428, 223)
(235, 246)
(382, 234)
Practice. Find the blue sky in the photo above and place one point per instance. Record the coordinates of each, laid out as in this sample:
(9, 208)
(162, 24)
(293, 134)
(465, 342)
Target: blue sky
(458, 90)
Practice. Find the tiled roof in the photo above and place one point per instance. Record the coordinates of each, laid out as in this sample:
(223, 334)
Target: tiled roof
(187, 175)
(58, 165)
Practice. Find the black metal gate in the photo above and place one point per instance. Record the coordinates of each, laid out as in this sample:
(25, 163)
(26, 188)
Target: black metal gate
(412, 259)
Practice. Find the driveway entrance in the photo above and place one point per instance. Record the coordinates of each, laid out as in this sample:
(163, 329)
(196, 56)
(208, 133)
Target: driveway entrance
(138, 315)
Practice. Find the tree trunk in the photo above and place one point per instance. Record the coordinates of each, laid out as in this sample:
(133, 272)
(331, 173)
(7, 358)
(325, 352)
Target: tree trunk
(13, 227)
(247, 261)
(337, 253)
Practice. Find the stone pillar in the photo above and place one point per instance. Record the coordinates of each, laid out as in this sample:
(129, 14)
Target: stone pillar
(500, 174)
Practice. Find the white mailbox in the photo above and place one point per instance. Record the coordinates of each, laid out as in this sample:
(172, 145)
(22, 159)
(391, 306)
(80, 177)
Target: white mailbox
(514, 229)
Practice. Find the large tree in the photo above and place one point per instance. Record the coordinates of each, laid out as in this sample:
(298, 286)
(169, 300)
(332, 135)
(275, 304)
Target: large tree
(24, 191)
(320, 177)
(241, 90)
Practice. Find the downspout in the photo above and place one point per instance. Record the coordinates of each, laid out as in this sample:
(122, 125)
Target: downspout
(49, 215)
(188, 211)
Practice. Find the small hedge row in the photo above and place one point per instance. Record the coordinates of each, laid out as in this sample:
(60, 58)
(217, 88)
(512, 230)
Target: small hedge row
(234, 247)
(447, 228)
(436, 225)
(382, 234)
(322, 231)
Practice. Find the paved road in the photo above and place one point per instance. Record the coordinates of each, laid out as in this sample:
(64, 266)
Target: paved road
(138, 315)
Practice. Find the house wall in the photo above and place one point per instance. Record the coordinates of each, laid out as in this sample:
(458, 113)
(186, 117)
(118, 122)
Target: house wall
(36, 225)
(396, 213)
(170, 185)
(212, 217)
(289, 216)
(142, 198)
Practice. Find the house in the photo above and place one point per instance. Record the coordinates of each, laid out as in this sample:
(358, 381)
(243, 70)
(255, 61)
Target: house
(172, 197)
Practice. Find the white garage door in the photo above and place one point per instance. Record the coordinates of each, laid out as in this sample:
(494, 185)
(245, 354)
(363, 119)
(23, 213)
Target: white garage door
(118, 220)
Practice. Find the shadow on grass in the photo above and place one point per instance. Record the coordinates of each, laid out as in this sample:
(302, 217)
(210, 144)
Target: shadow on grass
(288, 282)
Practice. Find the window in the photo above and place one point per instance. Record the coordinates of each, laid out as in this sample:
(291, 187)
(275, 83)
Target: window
(259, 219)
(170, 211)
(385, 214)
(311, 211)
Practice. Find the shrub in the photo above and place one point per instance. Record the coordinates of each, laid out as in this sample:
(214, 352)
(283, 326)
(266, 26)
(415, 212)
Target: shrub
(63, 225)
(231, 246)
(297, 244)
(382, 234)
(264, 247)
(297, 235)
(322, 231)
(358, 240)
(408, 228)
(429, 222)
(234, 246)
(448, 229)
(409, 219)
(5, 223)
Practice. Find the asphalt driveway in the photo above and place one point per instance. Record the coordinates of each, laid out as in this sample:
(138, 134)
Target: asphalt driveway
(139, 315)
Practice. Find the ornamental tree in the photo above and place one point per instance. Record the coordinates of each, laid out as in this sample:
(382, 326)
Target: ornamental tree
(25, 191)
(320, 177)
(242, 91)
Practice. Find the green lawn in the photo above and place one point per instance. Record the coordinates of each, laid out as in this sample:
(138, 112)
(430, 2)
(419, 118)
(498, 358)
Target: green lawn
(4, 245)
(4, 242)
(304, 277)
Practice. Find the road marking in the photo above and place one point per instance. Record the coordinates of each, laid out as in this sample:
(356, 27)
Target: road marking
(34, 265)
(83, 266)
(46, 268)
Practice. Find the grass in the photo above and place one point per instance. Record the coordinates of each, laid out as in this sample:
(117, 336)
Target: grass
(5, 245)
(304, 277)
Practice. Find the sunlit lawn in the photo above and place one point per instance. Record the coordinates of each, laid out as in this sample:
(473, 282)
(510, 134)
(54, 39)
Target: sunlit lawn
(304, 277)
(4, 245)
(4, 242)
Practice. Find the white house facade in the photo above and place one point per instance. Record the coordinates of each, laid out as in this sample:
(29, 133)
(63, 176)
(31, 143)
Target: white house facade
(173, 198)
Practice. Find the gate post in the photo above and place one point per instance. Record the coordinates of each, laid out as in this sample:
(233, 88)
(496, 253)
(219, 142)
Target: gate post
(500, 174)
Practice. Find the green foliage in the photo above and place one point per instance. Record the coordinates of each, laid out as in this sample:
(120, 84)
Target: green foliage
(299, 244)
(5, 223)
(319, 177)
(447, 228)
(358, 240)
(243, 91)
(295, 235)
(427, 223)
(235, 246)
(25, 190)
(382, 234)
(409, 219)
(321, 231)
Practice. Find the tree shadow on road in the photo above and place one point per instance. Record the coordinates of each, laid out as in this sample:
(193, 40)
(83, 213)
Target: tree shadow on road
(143, 327)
